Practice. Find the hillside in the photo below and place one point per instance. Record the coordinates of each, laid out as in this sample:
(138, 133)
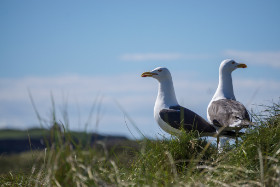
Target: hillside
(16, 141)
(187, 160)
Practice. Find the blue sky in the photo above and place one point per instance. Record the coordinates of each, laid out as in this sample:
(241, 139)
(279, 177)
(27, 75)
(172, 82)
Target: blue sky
(83, 50)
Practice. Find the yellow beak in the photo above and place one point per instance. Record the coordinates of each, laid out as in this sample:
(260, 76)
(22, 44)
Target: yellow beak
(242, 66)
(148, 74)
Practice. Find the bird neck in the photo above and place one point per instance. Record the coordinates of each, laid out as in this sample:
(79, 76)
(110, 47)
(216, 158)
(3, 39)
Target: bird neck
(166, 94)
(225, 87)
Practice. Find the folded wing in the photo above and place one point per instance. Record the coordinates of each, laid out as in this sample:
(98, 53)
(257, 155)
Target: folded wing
(229, 113)
(177, 117)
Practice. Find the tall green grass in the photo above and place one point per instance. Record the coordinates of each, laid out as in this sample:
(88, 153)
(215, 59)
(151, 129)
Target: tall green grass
(187, 160)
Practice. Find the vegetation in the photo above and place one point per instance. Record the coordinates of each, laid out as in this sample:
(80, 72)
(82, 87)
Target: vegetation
(20, 134)
(177, 161)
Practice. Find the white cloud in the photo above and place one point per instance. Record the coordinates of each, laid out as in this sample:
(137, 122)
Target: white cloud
(136, 95)
(161, 56)
(262, 58)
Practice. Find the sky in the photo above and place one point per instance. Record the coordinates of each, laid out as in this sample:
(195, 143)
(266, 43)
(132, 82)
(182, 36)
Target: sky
(88, 56)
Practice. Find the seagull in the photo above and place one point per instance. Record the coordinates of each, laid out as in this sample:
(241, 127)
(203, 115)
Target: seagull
(172, 117)
(223, 110)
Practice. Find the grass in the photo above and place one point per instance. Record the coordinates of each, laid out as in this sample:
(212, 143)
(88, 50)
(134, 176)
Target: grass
(178, 161)
(20, 163)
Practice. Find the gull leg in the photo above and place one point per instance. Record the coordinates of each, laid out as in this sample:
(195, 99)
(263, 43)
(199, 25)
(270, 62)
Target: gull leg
(218, 142)
(236, 136)
(222, 143)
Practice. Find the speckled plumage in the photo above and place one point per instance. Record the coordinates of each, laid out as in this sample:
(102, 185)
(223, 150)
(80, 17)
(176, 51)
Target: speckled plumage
(228, 113)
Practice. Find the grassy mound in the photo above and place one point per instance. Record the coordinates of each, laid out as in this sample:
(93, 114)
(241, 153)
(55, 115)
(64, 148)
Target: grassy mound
(179, 161)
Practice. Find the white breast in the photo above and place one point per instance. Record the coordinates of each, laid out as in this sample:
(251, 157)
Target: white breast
(164, 126)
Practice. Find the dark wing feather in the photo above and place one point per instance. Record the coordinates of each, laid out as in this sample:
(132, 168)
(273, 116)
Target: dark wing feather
(178, 117)
(225, 112)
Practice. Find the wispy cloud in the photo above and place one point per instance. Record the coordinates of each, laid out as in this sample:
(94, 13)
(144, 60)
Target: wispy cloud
(136, 95)
(161, 56)
(268, 58)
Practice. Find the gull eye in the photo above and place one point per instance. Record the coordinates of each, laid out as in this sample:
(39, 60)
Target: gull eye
(233, 62)
(160, 70)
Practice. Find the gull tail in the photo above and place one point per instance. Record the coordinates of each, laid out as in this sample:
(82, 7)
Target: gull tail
(240, 124)
(228, 132)
(224, 133)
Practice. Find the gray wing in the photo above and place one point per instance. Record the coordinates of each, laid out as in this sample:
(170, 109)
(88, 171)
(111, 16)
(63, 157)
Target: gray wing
(177, 117)
(228, 113)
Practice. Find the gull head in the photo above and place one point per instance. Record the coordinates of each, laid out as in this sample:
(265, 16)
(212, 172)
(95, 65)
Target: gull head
(159, 73)
(229, 65)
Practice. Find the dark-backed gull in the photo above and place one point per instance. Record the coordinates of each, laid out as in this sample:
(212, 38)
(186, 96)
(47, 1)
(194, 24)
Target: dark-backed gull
(170, 116)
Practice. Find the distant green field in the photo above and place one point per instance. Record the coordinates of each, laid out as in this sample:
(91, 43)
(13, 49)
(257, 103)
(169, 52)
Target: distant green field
(20, 134)
(41, 132)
